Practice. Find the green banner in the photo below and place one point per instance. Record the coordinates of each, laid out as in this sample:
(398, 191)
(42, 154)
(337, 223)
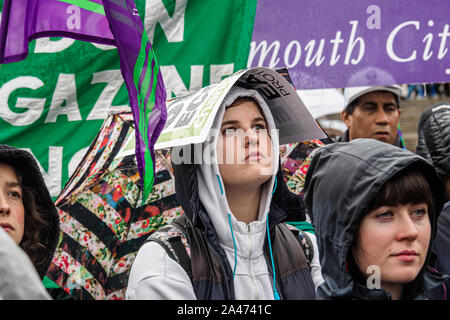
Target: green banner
(54, 102)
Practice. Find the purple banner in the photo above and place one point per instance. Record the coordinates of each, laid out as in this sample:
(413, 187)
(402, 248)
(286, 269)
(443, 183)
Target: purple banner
(38, 18)
(336, 44)
(115, 22)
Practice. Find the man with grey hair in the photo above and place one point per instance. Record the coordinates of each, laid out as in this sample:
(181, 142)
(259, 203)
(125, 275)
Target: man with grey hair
(372, 112)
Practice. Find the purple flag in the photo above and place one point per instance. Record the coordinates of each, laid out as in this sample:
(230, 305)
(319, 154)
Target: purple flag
(347, 43)
(114, 22)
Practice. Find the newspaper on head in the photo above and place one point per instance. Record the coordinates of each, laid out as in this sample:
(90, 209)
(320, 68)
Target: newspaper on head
(190, 118)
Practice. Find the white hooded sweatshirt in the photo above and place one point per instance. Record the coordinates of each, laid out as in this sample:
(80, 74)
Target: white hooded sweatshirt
(154, 275)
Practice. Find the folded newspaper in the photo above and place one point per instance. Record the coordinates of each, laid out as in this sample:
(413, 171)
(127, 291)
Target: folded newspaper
(189, 118)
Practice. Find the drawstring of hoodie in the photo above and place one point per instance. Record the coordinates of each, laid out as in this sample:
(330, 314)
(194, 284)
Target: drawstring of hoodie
(276, 295)
(231, 229)
(234, 242)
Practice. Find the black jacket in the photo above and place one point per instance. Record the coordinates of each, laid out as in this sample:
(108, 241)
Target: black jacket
(434, 137)
(209, 260)
(342, 181)
(434, 145)
(442, 241)
(25, 163)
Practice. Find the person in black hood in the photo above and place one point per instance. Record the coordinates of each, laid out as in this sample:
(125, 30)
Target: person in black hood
(375, 207)
(27, 212)
(434, 145)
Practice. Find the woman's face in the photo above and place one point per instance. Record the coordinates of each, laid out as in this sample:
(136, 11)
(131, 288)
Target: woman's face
(12, 212)
(395, 239)
(244, 147)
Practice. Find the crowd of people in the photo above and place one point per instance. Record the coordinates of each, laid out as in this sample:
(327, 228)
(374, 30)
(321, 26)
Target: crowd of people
(378, 215)
(423, 91)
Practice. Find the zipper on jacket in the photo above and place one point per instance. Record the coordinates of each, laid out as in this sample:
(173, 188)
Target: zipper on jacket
(249, 265)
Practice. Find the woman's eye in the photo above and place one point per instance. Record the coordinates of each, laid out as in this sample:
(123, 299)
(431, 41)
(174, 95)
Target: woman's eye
(385, 215)
(228, 131)
(15, 194)
(259, 127)
(419, 212)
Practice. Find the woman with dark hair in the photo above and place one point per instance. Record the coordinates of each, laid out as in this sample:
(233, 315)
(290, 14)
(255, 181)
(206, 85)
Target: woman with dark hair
(375, 209)
(27, 212)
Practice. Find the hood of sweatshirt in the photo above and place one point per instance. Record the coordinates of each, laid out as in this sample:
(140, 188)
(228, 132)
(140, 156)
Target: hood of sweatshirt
(212, 191)
(201, 191)
(27, 166)
(343, 180)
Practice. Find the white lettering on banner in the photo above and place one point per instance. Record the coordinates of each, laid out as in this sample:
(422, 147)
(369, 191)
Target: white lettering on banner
(219, 71)
(311, 58)
(45, 45)
(175, 85)
(352, 43)
(427, 53)
(156, 12)
(391, 38)
(442, 49)
(264, 51)
(374, 21)
(103, 46)
(53, 175)
(34, 106)
(65, 91)
(287, 53)
(334, 55)
(427, 40)
(114, 81)
(318, 56)
(73, 21)
(75, 161)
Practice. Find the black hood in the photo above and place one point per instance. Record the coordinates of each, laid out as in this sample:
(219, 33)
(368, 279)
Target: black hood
(25, 163)
(434, 137)
(343, 180)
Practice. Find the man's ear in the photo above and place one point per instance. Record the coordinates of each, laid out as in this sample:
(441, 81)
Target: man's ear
(346, 118)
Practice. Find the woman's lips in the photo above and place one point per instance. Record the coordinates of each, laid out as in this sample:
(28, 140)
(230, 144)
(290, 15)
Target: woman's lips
(254, 156)
(406, 255)
(6, 226)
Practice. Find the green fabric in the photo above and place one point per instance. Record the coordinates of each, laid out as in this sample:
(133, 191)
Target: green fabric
(302, 225)
(49, 284)
(55, 101)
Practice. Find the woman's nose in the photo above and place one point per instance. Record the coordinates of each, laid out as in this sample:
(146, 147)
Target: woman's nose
(4, 205)
(251, 137)
(407, 229)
